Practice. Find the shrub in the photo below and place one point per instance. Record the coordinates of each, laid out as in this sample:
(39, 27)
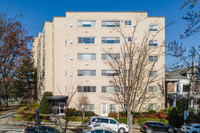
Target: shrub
(167, 110)
(90, 113)
(45, 105)
(142, 120)
(123, 113)
(174, 118)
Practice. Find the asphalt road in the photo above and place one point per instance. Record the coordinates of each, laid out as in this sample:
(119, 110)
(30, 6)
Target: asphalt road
(10, 129)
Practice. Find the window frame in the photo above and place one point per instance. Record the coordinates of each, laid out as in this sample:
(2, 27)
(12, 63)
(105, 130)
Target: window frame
(80, 73)
(129, 24)
(90, 21)
(79, 41)
(115, 56)
(153, 73)
(110, 40)
(110, 25)
(109, 74)
(154, 58)
(80, 56)
(153, 27)
(153, 87)
(86, 89)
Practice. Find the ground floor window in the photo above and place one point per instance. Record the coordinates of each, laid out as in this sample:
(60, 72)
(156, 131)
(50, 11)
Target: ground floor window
(153, 106)
(112, 108)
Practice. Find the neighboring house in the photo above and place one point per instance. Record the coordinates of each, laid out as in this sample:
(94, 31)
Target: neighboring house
(177, 86)
(69, 54)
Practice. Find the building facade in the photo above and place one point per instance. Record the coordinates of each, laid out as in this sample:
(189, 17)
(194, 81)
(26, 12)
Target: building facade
(70, 54)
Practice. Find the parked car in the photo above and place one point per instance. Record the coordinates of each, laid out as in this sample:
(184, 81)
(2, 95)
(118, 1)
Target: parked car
(99, 130)
(154, 126)
(109, 123)
(42, 129)
(191, 128)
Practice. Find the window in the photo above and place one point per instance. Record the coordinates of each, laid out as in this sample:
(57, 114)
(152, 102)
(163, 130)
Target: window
(153, 106)
(86, 88)
(186, 88)
(127, 56)
(104, 120)
(86, 23)
(153, 43)
(109, 56)
(153, 58)
(153, 73)
(153, 27)
(152, 89)
(89, 107)
(110, 40)
(112, 108)
(110, 89)
(86, 56)
(110, 23)
(127, 39)
(112, 121)
(86, 73)
(127, 22)
(86, 40)
(109, 73)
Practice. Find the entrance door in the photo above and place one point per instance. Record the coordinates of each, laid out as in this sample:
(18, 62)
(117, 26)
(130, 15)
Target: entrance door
(104, 109)
(61, 108)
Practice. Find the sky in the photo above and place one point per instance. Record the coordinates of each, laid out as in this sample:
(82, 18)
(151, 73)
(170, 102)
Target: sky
(36, 12)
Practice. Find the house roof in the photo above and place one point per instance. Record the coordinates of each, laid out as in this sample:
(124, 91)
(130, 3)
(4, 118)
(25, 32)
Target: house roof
(177, 74)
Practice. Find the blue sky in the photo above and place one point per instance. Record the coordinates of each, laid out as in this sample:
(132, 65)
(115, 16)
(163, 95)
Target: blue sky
(36, 12)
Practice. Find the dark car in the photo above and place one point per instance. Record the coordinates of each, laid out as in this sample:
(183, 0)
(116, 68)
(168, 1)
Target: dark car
(156, 127)
(42, 129)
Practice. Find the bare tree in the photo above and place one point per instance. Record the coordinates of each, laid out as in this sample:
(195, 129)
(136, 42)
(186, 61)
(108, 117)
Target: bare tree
(192, 17)
(82, 103)
(71, 91)
(134, 73)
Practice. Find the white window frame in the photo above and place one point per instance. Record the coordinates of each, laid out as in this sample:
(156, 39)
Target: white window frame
(82, 41)
(155, 106)
(109, 73)
(153, 27)
(110, 23)
(153, 43)
(153, 73)
(109, 89)
(86, 56)
(152, 89)
(90, 23)
(110, 56)
(86, 89)
(127, 22)
(105, 40)
(83, 73)
(153, 58)
(112, 108)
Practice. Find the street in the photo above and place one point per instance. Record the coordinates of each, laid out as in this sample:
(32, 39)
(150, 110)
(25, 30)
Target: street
(10, 129)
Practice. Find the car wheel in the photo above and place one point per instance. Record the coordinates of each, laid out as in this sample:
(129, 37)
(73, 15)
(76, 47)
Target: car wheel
(121, 130)
(194, 132)
(170, 131)
(149, 130)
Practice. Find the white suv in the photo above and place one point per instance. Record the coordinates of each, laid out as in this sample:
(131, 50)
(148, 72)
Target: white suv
(109, 123)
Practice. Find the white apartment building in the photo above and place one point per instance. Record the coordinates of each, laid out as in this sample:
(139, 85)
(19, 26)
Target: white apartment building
(70, 54)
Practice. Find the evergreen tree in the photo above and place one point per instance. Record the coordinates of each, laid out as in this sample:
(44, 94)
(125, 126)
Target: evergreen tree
(45, 105)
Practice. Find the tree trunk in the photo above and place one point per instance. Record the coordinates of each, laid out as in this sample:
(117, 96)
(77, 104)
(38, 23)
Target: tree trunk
(83, 115)
(128, 116)
(6, 97)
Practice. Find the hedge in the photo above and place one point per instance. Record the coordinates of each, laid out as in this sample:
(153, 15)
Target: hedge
(142, 120)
